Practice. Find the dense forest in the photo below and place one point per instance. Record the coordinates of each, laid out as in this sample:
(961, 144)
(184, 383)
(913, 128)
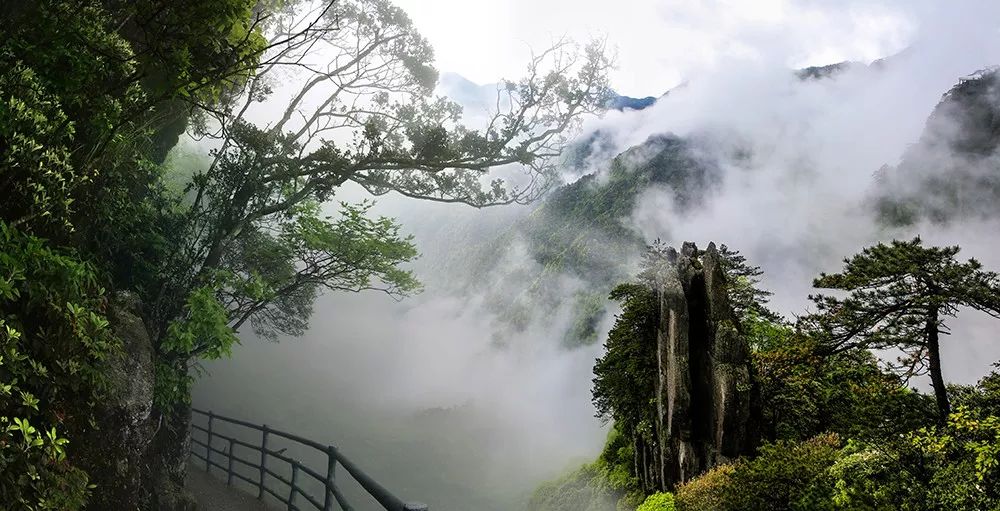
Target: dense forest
(125, 263)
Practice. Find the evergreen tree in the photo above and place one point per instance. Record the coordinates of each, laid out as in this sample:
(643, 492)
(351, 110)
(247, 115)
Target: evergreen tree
(900, 294)
(746, 297)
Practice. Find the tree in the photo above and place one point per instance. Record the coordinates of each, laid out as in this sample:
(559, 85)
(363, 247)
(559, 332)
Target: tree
(354, 81)
(54, 341)
(805, 392)
(900, 294)
(625, 377)
(748, 300)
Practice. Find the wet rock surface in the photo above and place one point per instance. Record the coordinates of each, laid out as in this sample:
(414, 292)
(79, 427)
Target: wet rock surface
(705, 394)
(114, 452)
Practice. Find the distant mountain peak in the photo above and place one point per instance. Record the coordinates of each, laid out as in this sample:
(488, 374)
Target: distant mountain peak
(622, 103)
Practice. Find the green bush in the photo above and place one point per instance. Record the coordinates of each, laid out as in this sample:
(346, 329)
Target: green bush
(584, 489)
(658, 502)
(705, 492)
(878, 477)
(784, 476)
(964, 458)
(53, 339)
(955, 466)
(805, 392)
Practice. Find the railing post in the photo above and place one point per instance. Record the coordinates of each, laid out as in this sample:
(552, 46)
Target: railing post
(208, 448)
(229, 471)
(331, 473)
(292, 487)
(263, 461)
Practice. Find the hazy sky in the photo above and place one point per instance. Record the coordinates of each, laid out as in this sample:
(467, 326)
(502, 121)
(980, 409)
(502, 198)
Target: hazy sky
(661, 42)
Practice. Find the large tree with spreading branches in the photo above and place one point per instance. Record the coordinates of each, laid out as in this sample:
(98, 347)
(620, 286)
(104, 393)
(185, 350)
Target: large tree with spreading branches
(344, 96)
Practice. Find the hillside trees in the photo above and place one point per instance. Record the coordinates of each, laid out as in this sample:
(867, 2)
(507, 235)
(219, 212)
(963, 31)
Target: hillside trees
(625, 377)
(900, 294)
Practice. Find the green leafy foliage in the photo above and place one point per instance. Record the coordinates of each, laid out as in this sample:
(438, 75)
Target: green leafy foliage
(75, 132)
(953, 466)
(708, 492)
(878, 475)
(984, 396)
(784, 476)
(604, 484)
(270, 277)
(582, 489)
(194, 49)
(964, 459)
(805, 392)
(204, 330)
(588, 309)
(746, 297)
(625, 377)
(34, 130)
(53, 340)
(662, 501)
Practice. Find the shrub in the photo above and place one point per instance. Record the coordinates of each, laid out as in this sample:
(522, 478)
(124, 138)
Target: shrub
(658, 502)
(964, 456)
(604, 484)
(53, 338)
(784, 476)
(705, 492)
(584, 489)
(879, 476)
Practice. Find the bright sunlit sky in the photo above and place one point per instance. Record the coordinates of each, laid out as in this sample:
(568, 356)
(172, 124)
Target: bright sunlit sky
(662, 42)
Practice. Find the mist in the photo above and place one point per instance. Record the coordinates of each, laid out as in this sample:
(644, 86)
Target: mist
(421, 393)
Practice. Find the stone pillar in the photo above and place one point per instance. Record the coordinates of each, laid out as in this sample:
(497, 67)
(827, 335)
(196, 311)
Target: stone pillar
(704, 388)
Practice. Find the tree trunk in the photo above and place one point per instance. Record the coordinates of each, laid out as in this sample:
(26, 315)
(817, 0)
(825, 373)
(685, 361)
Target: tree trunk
(168, 460)
(934, 354)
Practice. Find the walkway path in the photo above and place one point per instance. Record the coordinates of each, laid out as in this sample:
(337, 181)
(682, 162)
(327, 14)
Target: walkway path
(212, 493)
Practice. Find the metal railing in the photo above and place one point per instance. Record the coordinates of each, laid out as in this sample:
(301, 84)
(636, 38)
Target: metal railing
(267, 478)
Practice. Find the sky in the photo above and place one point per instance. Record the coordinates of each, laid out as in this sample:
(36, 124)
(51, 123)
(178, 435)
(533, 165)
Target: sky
(661, 43)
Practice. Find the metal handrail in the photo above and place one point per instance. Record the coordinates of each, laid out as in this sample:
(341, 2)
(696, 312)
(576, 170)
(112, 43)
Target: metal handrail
(331, 492)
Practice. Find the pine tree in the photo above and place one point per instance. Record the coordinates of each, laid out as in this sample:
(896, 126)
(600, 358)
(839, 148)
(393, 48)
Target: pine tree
(900, 295)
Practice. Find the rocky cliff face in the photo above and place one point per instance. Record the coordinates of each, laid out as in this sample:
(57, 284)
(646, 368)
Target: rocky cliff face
(124, 453)
(114, 452)
(705, 396)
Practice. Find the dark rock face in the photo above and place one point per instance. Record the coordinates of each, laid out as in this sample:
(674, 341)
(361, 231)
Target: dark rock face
(114, 454)
(134, 456)
(705, 397)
